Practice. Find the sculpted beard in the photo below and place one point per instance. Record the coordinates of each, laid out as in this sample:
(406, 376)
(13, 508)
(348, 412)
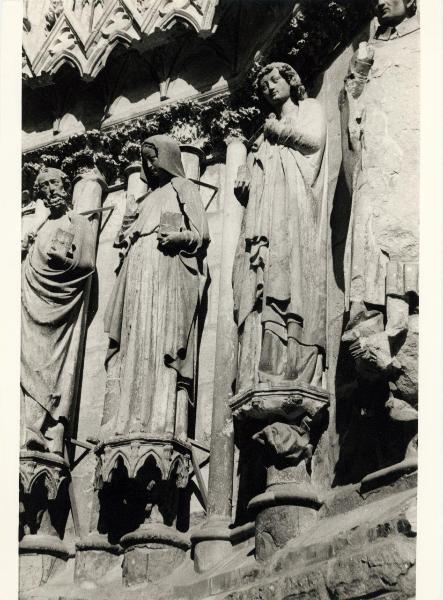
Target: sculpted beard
(57, 202)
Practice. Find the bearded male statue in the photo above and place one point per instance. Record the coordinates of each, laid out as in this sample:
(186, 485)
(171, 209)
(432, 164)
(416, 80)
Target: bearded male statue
(58, 261)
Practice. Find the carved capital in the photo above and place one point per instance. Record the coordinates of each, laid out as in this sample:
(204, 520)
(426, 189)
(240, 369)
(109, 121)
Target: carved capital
(280, 403)
(171, 457)
(133, 167)
(35, 465)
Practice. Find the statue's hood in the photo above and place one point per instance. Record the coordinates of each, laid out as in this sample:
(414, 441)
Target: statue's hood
(168, 156)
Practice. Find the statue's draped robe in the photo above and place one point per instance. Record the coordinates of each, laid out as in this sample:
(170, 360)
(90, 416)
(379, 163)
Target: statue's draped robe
(151, 316)
(279, 274)
(384, 224)
(52, 315)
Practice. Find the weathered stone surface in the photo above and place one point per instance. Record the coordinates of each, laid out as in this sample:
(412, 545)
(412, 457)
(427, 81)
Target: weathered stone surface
(68, 23)
(383, 568)
(386, 570)
(362, 542)
(385, 205)
(380, 137)
(92, 565)
(147, 564)
(276, 525)
(38, 569)
(405, 381)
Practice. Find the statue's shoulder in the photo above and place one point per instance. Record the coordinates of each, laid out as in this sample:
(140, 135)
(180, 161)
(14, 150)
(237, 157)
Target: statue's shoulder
(313, 104)
(313, 109)
(184, 185)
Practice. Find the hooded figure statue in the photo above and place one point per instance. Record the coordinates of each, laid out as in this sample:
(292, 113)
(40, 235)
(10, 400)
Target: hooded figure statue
(152, 314)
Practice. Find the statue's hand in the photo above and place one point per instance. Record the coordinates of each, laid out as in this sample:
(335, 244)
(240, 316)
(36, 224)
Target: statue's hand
(58, 260)
(171, 240)
(243, 182)
(27, 241)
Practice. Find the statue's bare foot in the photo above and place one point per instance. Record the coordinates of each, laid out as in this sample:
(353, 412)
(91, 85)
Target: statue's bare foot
(373, 354)
(399, 410)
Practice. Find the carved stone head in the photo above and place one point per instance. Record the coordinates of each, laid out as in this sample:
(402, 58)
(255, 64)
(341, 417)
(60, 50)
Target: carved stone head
(277, 82)
(393, 12)
(161, 160)
(54, 188)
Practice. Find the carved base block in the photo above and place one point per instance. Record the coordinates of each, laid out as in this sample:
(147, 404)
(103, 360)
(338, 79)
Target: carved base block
(276, 525)
(152, 552)
(40, 558)
(284, 512)
(209, 553)
(212, 544)
(95, 557)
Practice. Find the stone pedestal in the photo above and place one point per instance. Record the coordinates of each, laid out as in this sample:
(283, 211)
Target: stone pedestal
(136, 512)
(44, 508)
(40, 558)
(283, 419)
(212, 542)
(152, 552)
(94, 557)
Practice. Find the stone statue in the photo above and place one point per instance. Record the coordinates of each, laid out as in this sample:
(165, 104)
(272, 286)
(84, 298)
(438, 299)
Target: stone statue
(59, 258)
(279, 274)
(152, 313)
(380, 119)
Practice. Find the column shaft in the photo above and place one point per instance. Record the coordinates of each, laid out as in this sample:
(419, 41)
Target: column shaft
(212, 541)
(222, 432)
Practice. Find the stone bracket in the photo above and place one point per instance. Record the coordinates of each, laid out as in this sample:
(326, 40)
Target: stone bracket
(286, 403)
(52, 467)
(172, 457)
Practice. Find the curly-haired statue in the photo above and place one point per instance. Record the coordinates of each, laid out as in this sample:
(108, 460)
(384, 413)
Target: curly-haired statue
(59, 258)
(280, 266)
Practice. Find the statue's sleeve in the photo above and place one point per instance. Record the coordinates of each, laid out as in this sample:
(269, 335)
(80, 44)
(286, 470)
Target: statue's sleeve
(197, 235)
(84, 252)
(306, 133)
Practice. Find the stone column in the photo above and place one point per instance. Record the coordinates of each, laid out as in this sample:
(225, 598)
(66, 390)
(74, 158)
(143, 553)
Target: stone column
(136, 188)
(192, 158)
(89, 192)
(212, 541)
(44, 476)
(96, 554)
